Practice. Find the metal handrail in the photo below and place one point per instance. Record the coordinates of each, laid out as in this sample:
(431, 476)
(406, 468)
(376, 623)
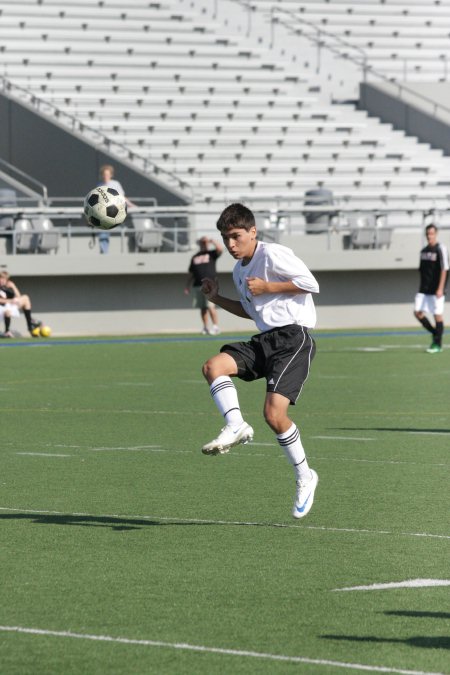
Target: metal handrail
(77, 125)
(184, 210)
(364, 65)
(181, 236)
(364, 56)
(11, 168)
(320, 31)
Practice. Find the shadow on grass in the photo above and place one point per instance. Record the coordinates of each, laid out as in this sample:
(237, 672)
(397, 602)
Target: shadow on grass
(115, 523)
(419, 614)
(121, 523)
(441, 642)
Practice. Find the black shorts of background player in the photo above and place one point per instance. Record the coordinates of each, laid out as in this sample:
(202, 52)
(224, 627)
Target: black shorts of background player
(274, 289)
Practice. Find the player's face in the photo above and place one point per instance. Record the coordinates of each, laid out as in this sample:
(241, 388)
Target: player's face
(431, 236)
(240, 243)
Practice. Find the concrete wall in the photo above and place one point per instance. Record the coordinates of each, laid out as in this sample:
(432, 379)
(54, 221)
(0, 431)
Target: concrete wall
(142, 293)
(66, 163)
(409, 113)
(151, 303)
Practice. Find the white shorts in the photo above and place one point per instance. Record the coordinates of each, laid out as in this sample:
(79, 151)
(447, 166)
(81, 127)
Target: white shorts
(11, 308)
(429, 303)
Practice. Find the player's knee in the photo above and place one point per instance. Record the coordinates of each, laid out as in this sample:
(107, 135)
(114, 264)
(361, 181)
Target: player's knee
(418, 315)
(210, 371)
(272, 417)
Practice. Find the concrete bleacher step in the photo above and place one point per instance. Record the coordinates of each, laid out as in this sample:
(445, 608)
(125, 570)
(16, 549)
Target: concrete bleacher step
(182, 76)
(271, 143)
(221, 112)
(151, 114)
(53, 82)
(112, 25)
(384, 168)
(131, 4)
(123, 37)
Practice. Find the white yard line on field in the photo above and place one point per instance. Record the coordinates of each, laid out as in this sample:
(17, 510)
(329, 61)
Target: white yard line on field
(341, 438)
(214, 650)
(210, 521)
(239, 455)
(375, 461)
(409, 583)
(430, 433)
(42, 454)
(129, 448)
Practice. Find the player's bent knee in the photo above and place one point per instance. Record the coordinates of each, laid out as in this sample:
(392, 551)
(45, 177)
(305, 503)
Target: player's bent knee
(273, 418)
(221, 364)
(211, 369)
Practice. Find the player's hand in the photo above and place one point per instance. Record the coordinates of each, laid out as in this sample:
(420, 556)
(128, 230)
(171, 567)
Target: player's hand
(186, 291)
(439, 293)
(256, 286)
(210, 288)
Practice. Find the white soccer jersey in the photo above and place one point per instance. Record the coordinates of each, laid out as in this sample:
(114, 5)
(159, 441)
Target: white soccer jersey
(273, 262)
(115, 185)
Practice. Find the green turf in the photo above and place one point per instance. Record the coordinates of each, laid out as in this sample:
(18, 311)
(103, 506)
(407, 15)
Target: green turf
(137, 565)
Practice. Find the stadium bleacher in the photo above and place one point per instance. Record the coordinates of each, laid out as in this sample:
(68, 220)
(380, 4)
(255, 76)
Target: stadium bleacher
(405, 40)
(220, 112)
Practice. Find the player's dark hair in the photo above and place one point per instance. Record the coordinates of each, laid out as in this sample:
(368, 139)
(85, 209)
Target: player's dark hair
(431, 226)
(236, 216)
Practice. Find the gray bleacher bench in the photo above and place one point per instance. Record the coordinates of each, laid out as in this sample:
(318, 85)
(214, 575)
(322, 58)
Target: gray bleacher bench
(148, 233)
(24, 236)
(317, 223)
(47, 237)
(366, 233)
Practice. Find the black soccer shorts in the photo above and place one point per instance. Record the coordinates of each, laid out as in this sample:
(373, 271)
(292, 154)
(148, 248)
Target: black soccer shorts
(282, 355)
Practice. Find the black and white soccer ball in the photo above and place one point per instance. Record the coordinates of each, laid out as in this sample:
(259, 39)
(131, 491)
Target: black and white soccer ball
(105, 208)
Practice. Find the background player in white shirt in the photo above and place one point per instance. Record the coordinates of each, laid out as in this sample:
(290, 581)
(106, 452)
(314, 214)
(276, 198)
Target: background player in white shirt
(274, 289)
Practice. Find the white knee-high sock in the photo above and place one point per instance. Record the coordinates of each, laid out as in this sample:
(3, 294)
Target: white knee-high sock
(225, 397)
(293, 448)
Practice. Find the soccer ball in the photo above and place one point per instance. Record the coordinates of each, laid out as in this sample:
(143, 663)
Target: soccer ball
(45, 331)
(105, 208)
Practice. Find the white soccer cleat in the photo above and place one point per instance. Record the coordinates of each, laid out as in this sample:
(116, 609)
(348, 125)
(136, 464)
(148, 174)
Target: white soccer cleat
(305, 496)
(228, 437)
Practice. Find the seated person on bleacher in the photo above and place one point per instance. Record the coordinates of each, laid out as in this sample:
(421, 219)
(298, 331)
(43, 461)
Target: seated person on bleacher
(11, 302)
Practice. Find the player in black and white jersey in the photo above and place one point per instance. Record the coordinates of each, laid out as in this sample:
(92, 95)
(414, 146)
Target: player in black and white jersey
(434, 265)
(274, 288)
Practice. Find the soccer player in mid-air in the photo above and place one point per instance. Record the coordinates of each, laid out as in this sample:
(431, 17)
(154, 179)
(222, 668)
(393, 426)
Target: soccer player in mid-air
(274, 288)
(433, 280)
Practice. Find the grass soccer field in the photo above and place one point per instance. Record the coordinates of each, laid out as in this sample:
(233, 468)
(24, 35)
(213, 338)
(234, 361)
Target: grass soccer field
(124, 550)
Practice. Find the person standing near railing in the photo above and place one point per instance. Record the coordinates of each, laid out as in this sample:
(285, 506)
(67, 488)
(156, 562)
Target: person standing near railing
(107, 178)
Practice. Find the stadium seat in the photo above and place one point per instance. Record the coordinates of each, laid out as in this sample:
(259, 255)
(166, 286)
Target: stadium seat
(24, 236)
(47, 237)
(148, 233)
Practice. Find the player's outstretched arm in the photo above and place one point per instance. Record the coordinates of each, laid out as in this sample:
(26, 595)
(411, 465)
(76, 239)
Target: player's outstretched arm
(210, 288)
